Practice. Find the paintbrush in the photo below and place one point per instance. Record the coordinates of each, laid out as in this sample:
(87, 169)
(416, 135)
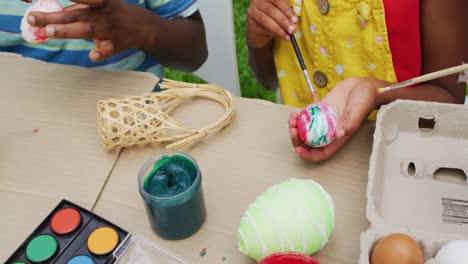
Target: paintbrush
(426, 77)
(303, 66)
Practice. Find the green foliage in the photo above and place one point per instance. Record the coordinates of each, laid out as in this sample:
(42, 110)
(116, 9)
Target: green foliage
(249, 86)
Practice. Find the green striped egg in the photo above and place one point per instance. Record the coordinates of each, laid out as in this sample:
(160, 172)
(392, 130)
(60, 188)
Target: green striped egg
(293, 216)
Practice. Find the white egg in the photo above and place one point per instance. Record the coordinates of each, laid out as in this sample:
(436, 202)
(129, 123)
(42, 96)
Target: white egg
(431, 261)
(455, 252)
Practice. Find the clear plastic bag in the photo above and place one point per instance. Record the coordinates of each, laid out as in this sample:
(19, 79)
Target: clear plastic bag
(139, 250)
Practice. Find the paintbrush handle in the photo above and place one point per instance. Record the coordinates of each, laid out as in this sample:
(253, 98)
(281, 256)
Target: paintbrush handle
(297, 50)
(426, 77)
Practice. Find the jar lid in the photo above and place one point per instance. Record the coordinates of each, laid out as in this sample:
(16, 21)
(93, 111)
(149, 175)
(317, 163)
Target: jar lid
(288, 258)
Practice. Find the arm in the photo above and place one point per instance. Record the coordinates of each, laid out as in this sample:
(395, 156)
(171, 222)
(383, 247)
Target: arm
(443, 38)
(263, 65)
(116, 26)
(179, 44)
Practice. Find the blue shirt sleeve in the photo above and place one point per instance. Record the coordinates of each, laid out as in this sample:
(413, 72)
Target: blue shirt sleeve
(173, 8)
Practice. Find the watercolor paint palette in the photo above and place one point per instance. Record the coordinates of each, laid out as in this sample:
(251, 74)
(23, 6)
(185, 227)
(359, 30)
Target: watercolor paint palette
(71, 235)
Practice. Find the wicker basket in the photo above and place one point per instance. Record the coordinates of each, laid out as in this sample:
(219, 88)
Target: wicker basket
(146, 119)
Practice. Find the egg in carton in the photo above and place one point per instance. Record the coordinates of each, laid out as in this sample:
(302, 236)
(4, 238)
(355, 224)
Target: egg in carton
(417, 180)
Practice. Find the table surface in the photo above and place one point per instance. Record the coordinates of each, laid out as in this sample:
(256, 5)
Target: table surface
(65, 160)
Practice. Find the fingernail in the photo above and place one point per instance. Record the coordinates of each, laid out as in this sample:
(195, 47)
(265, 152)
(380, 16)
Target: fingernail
(96, 55)
(294, 19)
(50, 31)
(291, 29)
(340, 133)
(287, 38)
(31, 20)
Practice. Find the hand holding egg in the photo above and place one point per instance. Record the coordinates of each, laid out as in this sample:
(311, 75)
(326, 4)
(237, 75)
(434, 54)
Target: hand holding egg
(38, 34)
(349, 104)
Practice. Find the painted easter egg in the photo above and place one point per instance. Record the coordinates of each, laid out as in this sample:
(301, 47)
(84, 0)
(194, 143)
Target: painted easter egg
(316, 124)
(36, 34)
(293, 216)
(455, 252)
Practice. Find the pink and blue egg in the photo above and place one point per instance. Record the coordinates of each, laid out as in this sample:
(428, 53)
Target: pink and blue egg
(317, 124)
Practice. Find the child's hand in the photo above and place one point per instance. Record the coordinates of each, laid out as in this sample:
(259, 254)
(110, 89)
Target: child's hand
(267, 19)
(353, 99)
(111, 24)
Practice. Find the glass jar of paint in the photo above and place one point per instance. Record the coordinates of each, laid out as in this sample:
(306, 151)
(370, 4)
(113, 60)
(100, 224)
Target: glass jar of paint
(171, 187)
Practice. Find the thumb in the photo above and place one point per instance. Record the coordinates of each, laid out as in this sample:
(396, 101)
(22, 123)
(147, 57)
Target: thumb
(103, 51)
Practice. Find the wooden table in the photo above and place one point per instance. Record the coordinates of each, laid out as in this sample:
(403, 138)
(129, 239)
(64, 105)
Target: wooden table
(49, 146)
(238, 163)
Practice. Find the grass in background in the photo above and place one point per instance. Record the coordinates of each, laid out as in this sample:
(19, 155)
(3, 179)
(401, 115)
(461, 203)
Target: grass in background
(182, 76)
(250, 88)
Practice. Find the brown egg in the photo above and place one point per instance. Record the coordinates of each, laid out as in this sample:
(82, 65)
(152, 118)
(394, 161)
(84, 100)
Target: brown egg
(397, 249)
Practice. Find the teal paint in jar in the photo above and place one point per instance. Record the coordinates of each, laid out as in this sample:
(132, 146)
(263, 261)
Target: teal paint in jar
(171, 187)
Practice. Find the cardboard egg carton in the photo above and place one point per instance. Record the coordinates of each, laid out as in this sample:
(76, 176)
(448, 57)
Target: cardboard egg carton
(417, 176)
